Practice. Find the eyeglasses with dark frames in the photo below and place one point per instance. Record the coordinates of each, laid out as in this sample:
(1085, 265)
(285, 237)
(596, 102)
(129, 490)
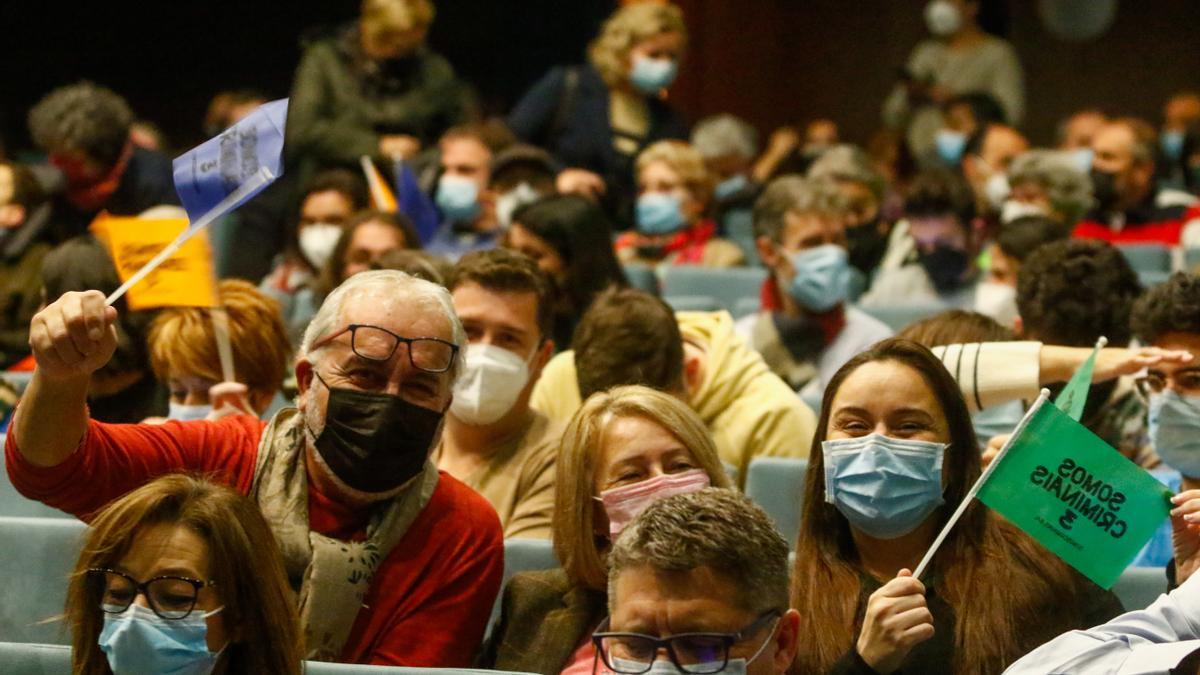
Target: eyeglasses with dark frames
(1186, 381)
(372, 343)
(170, 596)
(695, 653)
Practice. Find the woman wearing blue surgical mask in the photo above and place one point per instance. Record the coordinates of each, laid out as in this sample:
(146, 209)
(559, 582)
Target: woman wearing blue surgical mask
(181, 576)
(186, 358)
(674, 189)
(623, 450)
(595, 118)
(894, 454)
(960, 56)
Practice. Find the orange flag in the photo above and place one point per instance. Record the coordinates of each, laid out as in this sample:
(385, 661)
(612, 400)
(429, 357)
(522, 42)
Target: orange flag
(186, 279)
(382, 197)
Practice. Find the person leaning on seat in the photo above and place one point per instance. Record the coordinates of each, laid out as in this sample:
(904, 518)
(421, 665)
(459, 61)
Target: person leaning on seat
(379, 545)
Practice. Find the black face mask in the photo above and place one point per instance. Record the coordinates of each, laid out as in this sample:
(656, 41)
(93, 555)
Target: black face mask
(866, 245)
(651, 251)
(1104, 189)
(945, 266)
(375, 442)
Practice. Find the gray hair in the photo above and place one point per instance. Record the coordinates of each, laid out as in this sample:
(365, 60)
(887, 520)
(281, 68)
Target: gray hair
(850, 164)
(794, 194)
(716, 528)
(725, 135)
(82, 117)
(420, 293)
(1067, 187)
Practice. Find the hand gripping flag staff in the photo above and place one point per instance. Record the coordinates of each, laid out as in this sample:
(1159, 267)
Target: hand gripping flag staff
(1068, 489)
(213, 179)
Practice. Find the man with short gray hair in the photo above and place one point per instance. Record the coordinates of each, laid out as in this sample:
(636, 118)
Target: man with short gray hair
(806, 328)
(729, 146)
(393, 562)
(1129, 206)
(864, 190)
(85, 130)
(707, 562)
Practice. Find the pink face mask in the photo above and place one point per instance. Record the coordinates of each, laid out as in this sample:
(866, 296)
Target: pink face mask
(623, 504)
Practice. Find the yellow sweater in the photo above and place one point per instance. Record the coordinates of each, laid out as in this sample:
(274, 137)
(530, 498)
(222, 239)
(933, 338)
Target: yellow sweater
(748, 409)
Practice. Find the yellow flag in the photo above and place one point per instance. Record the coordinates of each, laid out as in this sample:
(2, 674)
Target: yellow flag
(186, 279)
(382, 197)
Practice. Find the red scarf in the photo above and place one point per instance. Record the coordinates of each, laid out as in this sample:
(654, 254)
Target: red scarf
(91, 196)
(688, 243)
(831, 322)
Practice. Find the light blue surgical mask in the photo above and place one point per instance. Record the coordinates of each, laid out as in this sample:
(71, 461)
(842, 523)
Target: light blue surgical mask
(886, 487)
(457, 198)
(1082, 157)
(659, 213)
(139, 642)
(187, 413)
(996, 420)
(950, 146)
(731, 186)
(1175, 431)
(1172, 144)
(822, 279)
(650, 76)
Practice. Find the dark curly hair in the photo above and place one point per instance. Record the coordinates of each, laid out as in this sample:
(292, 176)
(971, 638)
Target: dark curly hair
(82, 117)
(1170, 307)
(940, 192)
(1072, 292)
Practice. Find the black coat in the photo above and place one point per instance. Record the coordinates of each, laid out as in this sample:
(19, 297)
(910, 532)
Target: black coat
(574, 127)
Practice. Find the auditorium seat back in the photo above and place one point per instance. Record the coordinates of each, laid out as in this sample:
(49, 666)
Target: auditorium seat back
(777, 485)
(36, 559)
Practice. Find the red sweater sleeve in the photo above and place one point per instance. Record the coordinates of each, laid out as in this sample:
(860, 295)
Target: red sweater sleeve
(435, 598)
(114, 459)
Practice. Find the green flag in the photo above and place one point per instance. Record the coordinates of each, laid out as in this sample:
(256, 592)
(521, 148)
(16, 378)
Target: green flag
(1074, 396)
(1076, 495)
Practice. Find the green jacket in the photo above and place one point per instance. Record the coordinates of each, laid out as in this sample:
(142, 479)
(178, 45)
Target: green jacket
(342, 102)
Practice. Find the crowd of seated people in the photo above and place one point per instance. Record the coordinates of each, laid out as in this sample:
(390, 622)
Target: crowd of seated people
(329, 463)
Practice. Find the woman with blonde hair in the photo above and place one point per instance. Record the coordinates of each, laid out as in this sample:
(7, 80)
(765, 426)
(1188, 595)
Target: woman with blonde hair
(674, 190)
(373, 89)
(596, 118)
(623, 450)
(182, 575)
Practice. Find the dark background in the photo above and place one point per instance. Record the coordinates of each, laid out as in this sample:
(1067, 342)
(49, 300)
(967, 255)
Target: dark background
(771, 61)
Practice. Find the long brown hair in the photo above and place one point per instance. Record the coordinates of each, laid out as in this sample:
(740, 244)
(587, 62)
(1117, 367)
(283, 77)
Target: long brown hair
(244, 562)
(1008, 594)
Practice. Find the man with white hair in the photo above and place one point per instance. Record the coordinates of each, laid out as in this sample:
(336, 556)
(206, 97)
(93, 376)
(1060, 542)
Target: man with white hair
(729, 146)
(393, 562)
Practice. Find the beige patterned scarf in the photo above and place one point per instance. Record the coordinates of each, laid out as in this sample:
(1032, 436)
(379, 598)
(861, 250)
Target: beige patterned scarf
(331, 576)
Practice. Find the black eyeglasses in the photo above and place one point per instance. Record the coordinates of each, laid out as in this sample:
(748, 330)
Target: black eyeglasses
(1186, 381)
(696, 653)
(373, 343)
(169, 596)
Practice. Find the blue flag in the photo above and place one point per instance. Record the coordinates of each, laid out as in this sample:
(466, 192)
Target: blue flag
(243, 159)
(415, 204)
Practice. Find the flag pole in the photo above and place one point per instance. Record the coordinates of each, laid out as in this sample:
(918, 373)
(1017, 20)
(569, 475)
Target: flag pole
(1042, 398)
(256, 181)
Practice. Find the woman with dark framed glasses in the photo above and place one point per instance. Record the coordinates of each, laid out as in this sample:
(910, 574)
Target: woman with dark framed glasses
(181, 576)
